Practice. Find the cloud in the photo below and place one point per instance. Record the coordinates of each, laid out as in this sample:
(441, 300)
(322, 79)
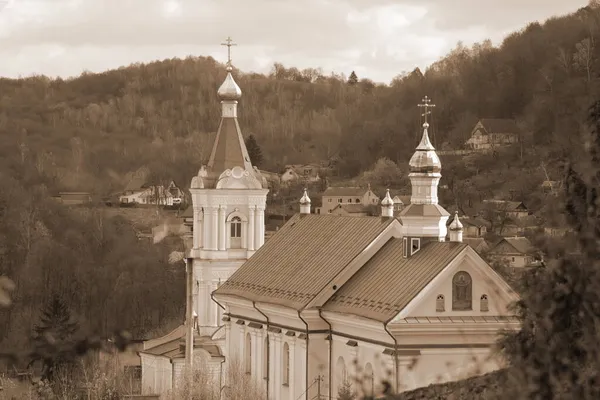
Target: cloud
(377, 38)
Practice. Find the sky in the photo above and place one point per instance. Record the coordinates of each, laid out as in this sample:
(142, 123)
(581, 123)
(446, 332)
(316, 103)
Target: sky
(378, 39)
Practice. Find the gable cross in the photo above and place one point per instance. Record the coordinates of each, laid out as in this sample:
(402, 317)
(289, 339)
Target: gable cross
(229, 43)
(426, 105)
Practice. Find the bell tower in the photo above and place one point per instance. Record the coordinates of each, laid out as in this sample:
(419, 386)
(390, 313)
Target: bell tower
(229, 196)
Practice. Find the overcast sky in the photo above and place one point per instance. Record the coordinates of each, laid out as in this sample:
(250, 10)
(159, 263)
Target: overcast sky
(377, 38)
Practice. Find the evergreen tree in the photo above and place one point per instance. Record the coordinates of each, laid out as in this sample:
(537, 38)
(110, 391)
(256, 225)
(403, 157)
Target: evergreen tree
(353, 79)
(345, 391)
(55, 331)
(254, 151)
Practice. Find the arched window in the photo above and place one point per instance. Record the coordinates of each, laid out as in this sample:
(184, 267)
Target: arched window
(340, 373)
(440, 303)
(483, 306)
(235, 233)
(369, 381)
(236, 227)
(266, 359)
(248, 354)
(286, 364)
(462, 291)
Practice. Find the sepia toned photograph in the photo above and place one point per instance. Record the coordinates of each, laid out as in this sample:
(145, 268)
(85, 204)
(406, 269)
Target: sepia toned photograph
(299, 200)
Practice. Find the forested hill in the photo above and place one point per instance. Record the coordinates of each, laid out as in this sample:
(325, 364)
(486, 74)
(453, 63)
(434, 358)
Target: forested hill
(88, 133)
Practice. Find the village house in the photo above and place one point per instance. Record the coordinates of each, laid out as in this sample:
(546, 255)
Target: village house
(491, 133)
(400, 201)
(512, 209)
(516, 251)
(351, 210)
(301, 173)
(327, 295)
(334, 196)
(139, 192)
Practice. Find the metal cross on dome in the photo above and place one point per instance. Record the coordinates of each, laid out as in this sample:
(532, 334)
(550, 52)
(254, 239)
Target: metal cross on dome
(229, 43)
(426, 100)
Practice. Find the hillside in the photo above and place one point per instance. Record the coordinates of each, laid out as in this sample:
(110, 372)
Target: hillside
(91, 133)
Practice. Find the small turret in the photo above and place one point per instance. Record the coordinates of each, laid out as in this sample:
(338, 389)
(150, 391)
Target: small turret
(305, 203)
(456, 229)
(387, 205)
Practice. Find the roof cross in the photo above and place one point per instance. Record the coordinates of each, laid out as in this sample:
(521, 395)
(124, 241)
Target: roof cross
(426, 105)
(229, 43)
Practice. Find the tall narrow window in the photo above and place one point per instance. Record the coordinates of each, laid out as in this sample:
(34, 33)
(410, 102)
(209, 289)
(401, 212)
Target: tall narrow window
(236, 233)
(440, 303)
(462, 291)
(483, 306)
(286, 364)
(236, 227)
(369, 381)
(266, 359)
(248, 354)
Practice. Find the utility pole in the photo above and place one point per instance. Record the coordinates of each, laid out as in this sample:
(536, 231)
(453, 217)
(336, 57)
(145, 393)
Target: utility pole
(189, 323)
(319, 387)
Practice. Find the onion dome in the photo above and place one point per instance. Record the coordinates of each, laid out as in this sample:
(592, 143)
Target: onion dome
(456, 225)
(229, 90)
(305, 199)
(425, 159)
(387, 200)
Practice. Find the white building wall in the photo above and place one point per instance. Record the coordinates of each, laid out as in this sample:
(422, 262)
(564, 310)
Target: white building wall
(157, 374)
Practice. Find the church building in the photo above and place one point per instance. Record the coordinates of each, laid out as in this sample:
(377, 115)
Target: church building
(229, 196)
(330, 299)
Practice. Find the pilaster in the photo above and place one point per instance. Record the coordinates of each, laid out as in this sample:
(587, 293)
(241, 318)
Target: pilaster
(222, 226)
(251, 223)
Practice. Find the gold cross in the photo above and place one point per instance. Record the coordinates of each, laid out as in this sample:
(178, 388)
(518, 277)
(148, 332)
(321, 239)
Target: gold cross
(229, 43)
(426, 105)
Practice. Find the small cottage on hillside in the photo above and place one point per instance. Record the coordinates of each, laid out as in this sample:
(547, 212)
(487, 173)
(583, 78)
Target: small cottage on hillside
(334, 196)
(490, 133)
(305, 173)
(138, 191)
(512, 209)
(516, 251)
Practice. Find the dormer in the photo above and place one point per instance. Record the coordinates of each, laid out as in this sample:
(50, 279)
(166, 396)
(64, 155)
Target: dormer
(411, 246)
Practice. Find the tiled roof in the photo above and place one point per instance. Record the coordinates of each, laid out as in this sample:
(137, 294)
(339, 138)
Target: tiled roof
(229, 149)
(424, 210)
(345, 191)
(388, 282)
(499, 125)
(302, 258)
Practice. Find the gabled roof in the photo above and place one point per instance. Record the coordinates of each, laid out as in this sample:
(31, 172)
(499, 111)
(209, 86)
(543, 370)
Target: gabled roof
(353, 208)
(521, 245)
(477, 243)
(388, 282)
(136, 183)
(345, 191)
(499, 125)
(302, 258)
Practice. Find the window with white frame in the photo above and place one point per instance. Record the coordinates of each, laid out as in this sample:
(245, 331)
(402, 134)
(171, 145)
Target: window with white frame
(286, 364)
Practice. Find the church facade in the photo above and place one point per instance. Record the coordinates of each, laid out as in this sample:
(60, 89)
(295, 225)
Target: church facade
(330, 299)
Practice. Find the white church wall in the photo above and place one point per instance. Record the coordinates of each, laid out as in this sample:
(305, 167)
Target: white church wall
(488, 294)
(156, 374)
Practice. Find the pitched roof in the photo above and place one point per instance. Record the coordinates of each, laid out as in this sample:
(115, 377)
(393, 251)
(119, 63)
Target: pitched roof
(522, 245)
(229, 149)
(353, 208)
(424, 210)
(506, 205)
(380, 289)
(302, 258)
(137, 182)
(477, 243)
(499, 125)
(345, 191)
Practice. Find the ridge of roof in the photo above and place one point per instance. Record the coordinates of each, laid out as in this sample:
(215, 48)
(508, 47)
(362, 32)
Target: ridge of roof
(302, 258)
